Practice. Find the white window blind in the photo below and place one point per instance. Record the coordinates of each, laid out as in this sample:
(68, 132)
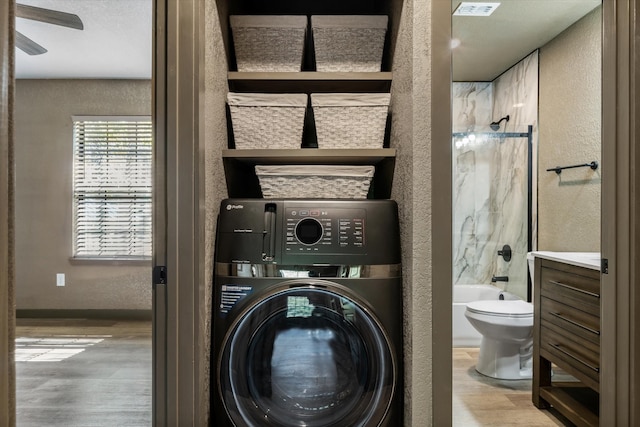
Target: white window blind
(112, 187)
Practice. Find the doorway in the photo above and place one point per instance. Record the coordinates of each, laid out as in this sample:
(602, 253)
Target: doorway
(618, 299)
(533, 78)
(73, 291)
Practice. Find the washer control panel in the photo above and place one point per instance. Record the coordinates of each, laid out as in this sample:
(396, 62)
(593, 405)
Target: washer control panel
(324, 230)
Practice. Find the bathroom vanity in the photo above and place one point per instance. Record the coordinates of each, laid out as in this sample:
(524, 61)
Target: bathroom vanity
(566, 336)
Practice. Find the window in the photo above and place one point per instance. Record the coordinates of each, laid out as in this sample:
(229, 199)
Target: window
(112, 178)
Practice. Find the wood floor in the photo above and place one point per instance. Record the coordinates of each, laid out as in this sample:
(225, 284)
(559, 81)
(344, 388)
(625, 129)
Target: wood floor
(484, 401)
(98, 373)
(83, 373)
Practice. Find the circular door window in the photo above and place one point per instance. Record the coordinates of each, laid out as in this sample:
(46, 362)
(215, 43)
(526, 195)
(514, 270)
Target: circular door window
(306, 356)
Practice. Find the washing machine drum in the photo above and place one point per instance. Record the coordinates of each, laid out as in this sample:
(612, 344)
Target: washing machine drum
(306, 356)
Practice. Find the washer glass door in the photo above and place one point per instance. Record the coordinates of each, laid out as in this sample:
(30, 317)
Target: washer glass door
(307, 356)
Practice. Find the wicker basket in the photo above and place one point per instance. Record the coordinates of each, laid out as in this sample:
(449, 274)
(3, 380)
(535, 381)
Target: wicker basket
(315, 181)
(350, 120)
(269, 42)
(349, 42)
(267, 120)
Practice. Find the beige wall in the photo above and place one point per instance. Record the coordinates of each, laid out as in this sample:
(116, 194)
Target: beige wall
(570, 111)
(411, 136)
(44, 162)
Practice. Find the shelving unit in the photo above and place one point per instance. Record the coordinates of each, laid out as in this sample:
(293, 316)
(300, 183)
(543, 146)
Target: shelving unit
(239, 166)
(309, 82)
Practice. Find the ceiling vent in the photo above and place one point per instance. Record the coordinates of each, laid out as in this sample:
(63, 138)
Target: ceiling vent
(475, 9)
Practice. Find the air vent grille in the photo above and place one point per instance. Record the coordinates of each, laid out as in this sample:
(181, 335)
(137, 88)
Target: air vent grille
(475, 9)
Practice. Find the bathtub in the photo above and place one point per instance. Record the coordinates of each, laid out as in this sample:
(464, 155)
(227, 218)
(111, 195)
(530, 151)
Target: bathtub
(465, 335)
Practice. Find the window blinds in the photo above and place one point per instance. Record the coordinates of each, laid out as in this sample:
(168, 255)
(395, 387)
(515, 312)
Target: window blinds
(112, 187)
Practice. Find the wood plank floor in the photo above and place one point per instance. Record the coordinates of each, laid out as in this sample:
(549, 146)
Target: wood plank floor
(83, 373)
(482, 401)
(98, 373)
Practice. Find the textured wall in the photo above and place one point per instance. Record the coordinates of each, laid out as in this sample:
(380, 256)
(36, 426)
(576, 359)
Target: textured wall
(215, 140)
(44, 163)
(570, 115)
(411, 136)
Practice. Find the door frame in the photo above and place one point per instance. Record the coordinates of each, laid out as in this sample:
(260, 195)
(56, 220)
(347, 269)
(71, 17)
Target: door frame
(620, 221)
(7, 308)
(180, 377)
(442, 205)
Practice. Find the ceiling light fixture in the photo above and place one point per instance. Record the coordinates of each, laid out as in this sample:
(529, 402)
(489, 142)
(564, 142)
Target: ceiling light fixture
(475, 9)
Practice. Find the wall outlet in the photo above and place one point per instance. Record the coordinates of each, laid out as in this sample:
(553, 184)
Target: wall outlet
(60, 279)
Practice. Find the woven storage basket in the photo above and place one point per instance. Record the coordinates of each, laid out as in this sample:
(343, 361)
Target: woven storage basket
(315, 181)
(269, 42)
(350, 120)
(267, 120)
(349, 42)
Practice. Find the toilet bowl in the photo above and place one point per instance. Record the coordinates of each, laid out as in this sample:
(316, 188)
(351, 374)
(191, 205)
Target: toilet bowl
(506, 348)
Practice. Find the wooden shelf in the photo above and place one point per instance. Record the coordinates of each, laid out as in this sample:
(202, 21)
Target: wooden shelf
(578, 404)
(239, 166)
(310, 82)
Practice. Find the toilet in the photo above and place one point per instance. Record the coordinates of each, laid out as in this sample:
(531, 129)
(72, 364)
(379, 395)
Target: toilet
(506, 348)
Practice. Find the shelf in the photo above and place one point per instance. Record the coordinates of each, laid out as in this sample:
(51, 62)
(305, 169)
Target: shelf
(309, 82)
(242, 181)
(578, 404)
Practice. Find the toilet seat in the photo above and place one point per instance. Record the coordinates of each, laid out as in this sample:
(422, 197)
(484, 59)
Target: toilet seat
(503, 308)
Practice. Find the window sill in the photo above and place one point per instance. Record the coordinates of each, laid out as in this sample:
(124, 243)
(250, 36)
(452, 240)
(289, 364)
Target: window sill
(110, 261)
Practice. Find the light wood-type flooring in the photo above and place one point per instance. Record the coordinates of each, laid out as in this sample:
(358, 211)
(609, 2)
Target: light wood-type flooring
(83, 373)
(98, 373)
(482, 401)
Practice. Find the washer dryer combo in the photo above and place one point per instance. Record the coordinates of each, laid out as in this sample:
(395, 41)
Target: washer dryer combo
(307, 316)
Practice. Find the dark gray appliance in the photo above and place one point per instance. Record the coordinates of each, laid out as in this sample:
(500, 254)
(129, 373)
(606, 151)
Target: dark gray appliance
(307, 317)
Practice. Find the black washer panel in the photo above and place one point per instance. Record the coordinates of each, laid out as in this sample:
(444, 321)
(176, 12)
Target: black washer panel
(294, 232)
(333, 230)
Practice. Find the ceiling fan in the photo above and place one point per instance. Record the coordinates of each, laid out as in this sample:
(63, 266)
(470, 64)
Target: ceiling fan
(48, 16)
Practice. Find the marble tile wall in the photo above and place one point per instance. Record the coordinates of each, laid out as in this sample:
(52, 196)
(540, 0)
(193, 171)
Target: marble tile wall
(490, 176)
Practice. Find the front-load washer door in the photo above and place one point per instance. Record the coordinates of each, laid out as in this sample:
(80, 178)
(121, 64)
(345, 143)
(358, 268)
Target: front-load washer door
(307, 355)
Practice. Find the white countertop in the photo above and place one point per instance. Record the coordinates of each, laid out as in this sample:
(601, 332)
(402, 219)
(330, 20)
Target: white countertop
(581, 259)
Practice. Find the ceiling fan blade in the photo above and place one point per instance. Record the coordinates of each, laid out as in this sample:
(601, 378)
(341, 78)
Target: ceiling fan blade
(49, 16)
(28, 46)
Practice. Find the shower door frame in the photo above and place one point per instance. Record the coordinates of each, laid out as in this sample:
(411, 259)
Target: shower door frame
(529, 219)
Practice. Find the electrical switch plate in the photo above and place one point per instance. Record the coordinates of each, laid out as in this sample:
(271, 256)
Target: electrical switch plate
(60, 279)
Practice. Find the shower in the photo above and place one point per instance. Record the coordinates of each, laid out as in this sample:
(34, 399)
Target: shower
(492, 206)
(496, 125)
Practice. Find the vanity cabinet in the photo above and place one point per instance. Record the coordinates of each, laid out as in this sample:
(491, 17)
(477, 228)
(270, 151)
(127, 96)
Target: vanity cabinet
(567, 336)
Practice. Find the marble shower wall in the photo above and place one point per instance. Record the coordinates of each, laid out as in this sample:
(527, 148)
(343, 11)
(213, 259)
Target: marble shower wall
(490, 176)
